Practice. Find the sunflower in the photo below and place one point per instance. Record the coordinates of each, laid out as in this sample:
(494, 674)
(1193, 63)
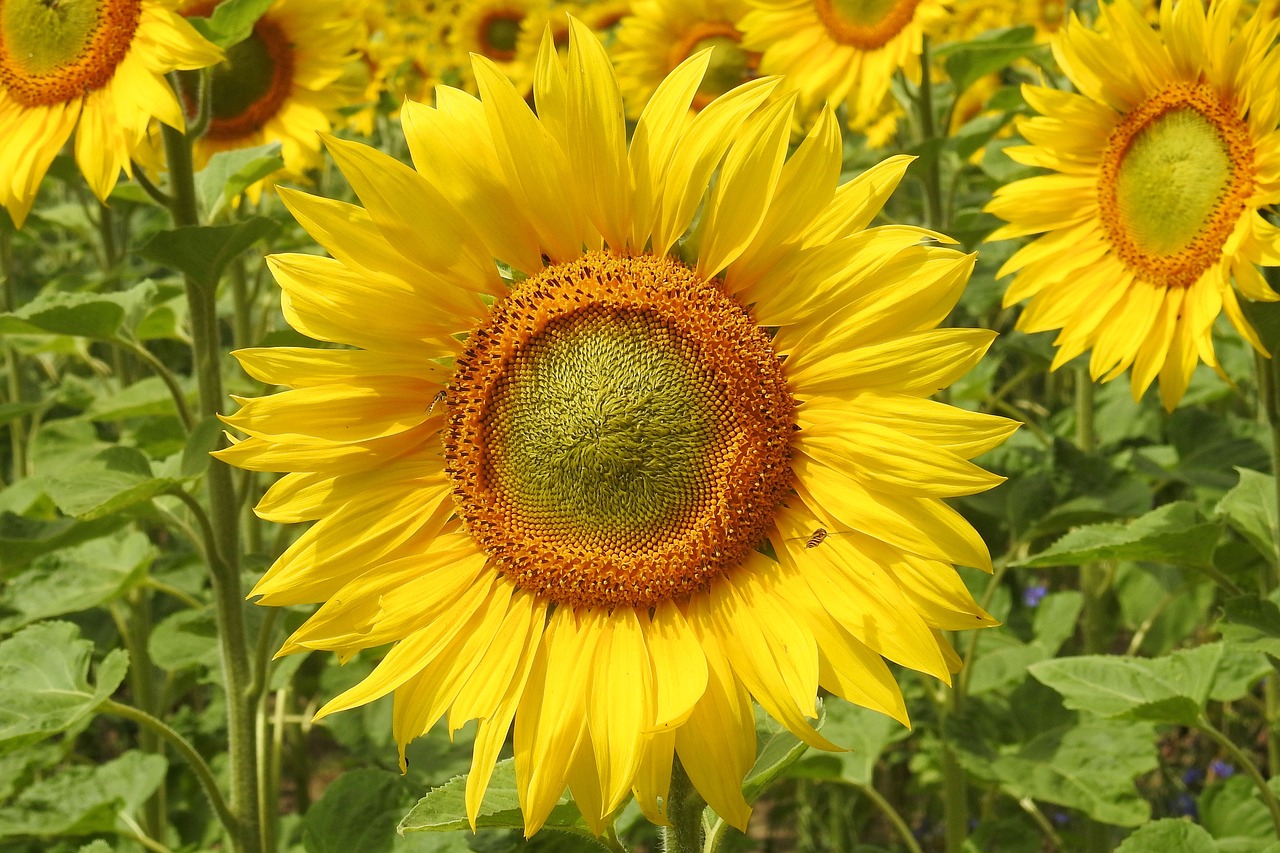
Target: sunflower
(587, 486)
(491, 28)
(96, 68)
(841, 50)
(1160, 166)
(660, 34)
(278, 85)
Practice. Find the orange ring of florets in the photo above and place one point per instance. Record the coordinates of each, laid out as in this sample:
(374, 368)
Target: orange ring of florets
(748, 469)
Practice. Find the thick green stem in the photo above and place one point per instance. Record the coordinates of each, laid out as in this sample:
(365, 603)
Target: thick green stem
(955, 803)
(188, 752)
(684, 810)
(935, 216)
(224, 557)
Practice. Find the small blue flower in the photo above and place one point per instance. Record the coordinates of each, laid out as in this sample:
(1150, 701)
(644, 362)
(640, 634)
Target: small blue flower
(1034, 594)
(1222, 769)
(1193, 776)
(1184, 804)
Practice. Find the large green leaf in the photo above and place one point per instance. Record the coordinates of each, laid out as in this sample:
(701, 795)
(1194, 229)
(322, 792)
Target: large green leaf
(75, 578)
(443, 809)
(112, 480)
(231, 21)
(1232, 809)
(85, 800)
(357, 812)
(866, 733)
(1250, 510)
(204, 251)
(1251, 622)
(1090, 766)
(968, 61)
(1171, 689)
(1169, 836)
(24, 539)
(44, 679)
(230, 172)
(90, 315)
(1003, 659)
(1174, 533)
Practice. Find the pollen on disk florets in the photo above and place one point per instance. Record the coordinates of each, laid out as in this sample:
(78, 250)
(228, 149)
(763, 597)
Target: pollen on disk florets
(619, 432)
(54, 52)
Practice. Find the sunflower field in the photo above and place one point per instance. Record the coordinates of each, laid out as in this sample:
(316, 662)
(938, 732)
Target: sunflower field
(432, 426)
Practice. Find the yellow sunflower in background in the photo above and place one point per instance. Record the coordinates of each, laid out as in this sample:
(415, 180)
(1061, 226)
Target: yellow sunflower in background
(1160, 166)
(660, 34)
(616, 495)
(96, 68)
(278, 85)
(837, 50)
(491, 28)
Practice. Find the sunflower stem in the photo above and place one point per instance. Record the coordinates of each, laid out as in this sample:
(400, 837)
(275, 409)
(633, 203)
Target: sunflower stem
(684, 810)
(224, 555)
(935, 217)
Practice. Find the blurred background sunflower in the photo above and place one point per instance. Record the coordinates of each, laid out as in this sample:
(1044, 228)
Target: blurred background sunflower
(1150, 215)
(93, 68)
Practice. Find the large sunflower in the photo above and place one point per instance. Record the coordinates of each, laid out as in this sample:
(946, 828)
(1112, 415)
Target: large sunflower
(278, 85)
(1162, 163)
(660, 34)
(92, 66)
(841, 50)
(593, 488)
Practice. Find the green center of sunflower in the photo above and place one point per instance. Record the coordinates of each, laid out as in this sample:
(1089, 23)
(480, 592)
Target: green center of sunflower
(619, 432)
(499, 32)
(55, 50)
(1174, 180)
(1171, 180)
(865, 24)
(605, 419)
(248, 89)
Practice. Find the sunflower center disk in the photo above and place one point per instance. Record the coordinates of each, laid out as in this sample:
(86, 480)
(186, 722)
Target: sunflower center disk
(53, 52)
(499, 32)
(1175, 178)
(249, 87)
(619, 432)
(865, 24)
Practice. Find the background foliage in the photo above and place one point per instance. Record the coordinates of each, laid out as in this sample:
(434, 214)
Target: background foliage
(1129, 701)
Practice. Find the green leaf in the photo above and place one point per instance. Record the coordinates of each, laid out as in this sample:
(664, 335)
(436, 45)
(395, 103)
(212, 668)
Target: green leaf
(1251, 622)
(777, 750)
(231, 21)
(1004, 659)
(112, 480)
(1170, 689)
(144, 398)
(1265, 319)
(1173, 533)
(1090, 766)
(229, 173)
(358, 811)
(1250, 510)
(44, 673)
(204, 251)
(24, 539)
(1232, 809)
(203, 439)
(89, 315)
(865, 732)
(185, 639)
(75, 579)
(1169, 836)
(443, 809)
(85, 800)
(969, 61)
